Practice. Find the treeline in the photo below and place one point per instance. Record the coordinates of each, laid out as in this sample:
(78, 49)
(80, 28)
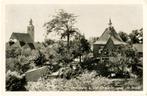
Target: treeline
(136, 36)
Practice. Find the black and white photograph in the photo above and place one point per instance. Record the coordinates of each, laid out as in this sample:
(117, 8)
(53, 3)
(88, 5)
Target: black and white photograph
(73, 47)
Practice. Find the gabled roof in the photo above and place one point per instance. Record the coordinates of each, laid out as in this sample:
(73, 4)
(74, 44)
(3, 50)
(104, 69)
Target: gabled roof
(138, 47)
(109, 33)
(117, 42)
(22, 37)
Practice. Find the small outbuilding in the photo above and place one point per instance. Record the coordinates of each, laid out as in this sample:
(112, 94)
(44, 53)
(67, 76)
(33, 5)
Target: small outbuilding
(108, 44)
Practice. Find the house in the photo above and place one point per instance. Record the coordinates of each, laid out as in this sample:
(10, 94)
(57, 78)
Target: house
(108, 45)
(24, 39)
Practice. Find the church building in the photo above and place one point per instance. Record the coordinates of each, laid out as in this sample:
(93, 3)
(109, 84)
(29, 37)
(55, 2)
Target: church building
(108, 44)
(24, 39)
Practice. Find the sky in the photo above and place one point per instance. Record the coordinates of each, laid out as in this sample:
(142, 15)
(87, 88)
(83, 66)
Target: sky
(92, 19)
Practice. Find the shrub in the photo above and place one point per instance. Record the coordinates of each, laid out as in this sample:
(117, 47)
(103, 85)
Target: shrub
(26, 52)
(12, 64)
(70, 71)
(12, 51)
(89, 63)
(40, 59)
(14, 81)
(87, 81)
(20, 64)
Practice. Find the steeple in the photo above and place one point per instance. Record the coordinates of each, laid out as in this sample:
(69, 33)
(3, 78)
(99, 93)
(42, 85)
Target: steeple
(30, 29)
(30, 22)
(110, 23)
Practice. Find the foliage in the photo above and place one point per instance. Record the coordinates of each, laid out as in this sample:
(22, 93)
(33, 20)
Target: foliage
(85, 82)
(14, 81)
(130, 52)
(39, 60)
(20, 64)
(12, 64)
(80, 46)
(88, 81)
(63, 55)
(19, 61)
(89, 63)
(84, 45)
(48, 42)
(60, 57)
(124, 36)
(26, 52)
(121, 67)
(133, 61)
(62, 23)
(72, 70)
(136, 36)
(12, 51)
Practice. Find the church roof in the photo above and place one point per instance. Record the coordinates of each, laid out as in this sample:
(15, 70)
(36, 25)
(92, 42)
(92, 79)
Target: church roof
(22, 37)
(109, 33)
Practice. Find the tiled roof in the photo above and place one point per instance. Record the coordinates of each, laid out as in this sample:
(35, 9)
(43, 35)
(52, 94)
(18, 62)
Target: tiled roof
(22, 37)
(117, 42)
(109, 33)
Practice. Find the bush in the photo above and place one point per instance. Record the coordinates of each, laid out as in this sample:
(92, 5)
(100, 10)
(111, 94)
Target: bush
(15, 82)
(12, 64)
(89, 63)
(70, 71)
(20, 64)
(87, 81)
(12, 51)
(40, 59)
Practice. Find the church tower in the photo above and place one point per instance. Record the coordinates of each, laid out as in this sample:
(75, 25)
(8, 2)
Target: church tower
(30, 29)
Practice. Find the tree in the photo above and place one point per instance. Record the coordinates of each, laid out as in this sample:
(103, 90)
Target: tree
(48, 42)
(136, 36)
(133, 36)
(123, 36)
(63, 24)
(80, 46)
(140, 37)
(58, 52)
